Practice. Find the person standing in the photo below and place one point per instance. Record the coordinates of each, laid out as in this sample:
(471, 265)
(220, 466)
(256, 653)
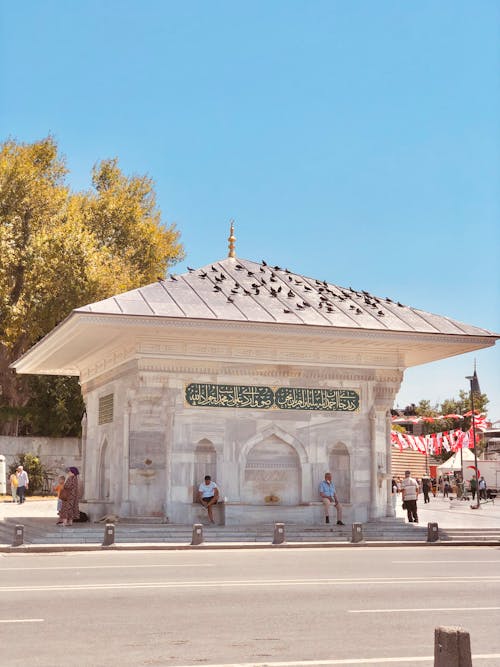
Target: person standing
(58, 488)
(22, 484)
(13, 487)
(426, 487)
(410, 495)
(329, 496)
(70, 509)
(473, 486)
(208, 495)
(482, 488)
(395, 491)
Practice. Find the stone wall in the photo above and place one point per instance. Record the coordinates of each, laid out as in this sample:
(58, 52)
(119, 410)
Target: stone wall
(56, 454)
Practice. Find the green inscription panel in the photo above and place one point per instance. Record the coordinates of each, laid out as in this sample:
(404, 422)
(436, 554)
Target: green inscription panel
(297, 398)
(229, 396)
(263, 398)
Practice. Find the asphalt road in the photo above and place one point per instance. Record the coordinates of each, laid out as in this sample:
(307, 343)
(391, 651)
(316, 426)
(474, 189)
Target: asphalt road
(275, 607)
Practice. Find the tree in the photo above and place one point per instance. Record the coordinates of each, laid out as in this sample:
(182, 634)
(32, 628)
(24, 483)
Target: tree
(61, 250)
(450, 406)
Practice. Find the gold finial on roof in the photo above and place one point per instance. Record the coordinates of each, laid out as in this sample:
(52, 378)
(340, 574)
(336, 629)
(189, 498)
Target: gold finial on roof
(231, 239)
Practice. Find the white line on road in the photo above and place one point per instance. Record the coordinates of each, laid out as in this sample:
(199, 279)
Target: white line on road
(459, 562)
(22, 620)
(102, 567)
(392, 611)
(346, 661)
(251, 583)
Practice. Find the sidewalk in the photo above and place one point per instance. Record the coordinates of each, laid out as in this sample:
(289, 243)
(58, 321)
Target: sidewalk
(454, 513)
(446, 513)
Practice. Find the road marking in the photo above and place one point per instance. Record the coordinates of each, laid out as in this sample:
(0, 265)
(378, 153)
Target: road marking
(346, 661)
(103, 567)
(460, 562)
(249, 583)
(22, 620)
(392, 611)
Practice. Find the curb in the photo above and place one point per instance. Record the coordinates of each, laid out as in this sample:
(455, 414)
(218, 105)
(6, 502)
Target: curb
(231, 546)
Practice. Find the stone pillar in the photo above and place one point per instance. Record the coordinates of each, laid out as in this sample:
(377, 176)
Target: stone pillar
(125, 504)
(373, 463)
(390, 511)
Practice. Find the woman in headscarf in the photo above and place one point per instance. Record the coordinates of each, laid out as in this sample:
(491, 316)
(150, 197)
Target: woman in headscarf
(69, 496)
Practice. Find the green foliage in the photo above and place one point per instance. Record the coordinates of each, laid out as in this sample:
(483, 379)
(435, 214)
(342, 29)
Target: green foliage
(425, 409)
(55, 407)
(36, 472)
(450, 406)
(464, 404)
(60, 250)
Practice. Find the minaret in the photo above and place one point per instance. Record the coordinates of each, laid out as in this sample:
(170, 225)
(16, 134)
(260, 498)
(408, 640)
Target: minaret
(231, 239)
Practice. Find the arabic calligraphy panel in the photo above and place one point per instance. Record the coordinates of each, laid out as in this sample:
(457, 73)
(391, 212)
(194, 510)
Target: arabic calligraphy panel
(298, 398)
(263, 398)
(229, 396)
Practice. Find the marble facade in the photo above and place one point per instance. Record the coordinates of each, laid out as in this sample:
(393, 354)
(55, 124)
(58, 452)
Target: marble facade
(271, 350)
(149, 459)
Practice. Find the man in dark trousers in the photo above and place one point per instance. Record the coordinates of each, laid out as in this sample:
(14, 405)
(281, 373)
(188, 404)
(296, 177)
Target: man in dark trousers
(409, 492)
(426, 487)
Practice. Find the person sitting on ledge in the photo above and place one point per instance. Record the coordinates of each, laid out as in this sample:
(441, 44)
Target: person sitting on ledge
(208, 495)
(328, 496)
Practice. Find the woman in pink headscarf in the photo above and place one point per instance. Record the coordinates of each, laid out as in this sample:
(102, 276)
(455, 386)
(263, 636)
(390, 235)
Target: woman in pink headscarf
(69, 496)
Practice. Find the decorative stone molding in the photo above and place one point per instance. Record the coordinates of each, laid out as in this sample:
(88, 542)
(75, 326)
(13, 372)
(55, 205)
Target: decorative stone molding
(279, 329)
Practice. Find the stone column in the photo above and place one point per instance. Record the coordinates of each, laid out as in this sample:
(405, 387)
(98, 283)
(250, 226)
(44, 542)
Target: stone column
(125, 504)
(373, 463)
(388, 423)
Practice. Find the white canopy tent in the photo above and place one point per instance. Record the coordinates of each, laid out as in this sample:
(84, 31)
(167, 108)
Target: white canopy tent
(454, 463)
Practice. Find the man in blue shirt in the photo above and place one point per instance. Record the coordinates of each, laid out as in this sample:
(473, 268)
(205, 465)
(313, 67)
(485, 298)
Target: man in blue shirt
(328, 496)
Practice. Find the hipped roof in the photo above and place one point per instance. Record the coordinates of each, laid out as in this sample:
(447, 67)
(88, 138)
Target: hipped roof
(244, 294)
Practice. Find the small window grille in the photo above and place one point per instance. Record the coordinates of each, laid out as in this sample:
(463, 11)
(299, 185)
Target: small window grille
(106, 409)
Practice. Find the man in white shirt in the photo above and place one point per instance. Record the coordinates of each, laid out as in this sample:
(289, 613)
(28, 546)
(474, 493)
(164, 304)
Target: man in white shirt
(409, 490)
(208, 495)
(22, 483)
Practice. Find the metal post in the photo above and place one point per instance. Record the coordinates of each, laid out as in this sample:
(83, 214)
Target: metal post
(279, 533)
(197, 537)
(357, 532)
(18, 536)
(452, 647)
(109, 535)
(474, 388)
(432, 532)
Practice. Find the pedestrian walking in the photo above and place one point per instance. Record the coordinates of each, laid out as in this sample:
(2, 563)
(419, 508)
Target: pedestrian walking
(22, 484)
(410, 495)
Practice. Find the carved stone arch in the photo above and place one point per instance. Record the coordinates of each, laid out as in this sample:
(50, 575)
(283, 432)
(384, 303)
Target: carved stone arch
(104, 471)
(273, 430)
(205, 463)
(271, 468)
(339, 463)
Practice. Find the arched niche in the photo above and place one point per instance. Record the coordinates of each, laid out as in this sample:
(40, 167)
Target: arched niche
(339, 464)
(104, 471)
(205, 463)
(272, 470)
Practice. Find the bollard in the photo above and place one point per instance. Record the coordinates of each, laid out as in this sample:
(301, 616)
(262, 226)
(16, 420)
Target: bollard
(451, 647)
(197, 534)
(279, 533)
(432, 532)
(18, 536)
(357, 532)
(109, 535)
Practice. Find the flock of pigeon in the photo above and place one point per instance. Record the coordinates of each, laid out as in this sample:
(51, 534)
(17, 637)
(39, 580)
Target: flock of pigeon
(294, 292)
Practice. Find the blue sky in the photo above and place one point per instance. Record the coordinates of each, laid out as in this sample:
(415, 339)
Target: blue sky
(356, 142)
